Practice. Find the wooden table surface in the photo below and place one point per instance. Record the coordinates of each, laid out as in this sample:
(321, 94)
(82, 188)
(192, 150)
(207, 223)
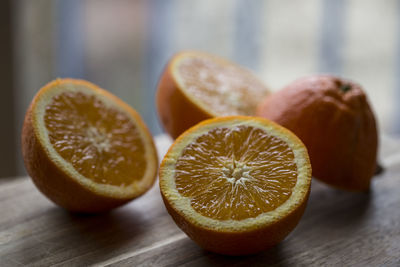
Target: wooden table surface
(338, 228)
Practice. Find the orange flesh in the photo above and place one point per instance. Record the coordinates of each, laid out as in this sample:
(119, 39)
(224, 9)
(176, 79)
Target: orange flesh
(236, 173)
(100, 142)
(221, 88)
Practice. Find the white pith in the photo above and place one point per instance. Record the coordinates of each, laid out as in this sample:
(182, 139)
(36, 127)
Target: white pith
(236, 173)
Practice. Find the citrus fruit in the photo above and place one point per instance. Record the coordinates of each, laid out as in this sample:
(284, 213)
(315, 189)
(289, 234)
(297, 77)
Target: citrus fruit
(236, 185)
(85, 149)
(334, 120)
(196, 86)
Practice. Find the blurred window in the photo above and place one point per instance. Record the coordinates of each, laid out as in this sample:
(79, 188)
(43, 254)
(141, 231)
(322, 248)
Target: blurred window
(123, 46)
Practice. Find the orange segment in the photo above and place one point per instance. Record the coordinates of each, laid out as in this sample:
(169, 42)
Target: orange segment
(196, 86)
(236, 185)
(85, 149)
(253, 175)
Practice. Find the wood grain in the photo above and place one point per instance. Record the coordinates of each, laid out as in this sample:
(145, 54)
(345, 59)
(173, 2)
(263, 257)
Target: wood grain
(338, 228)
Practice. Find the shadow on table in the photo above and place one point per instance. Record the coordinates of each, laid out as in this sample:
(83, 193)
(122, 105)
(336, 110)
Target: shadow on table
(119, 231)
(333, 207)
(106, 230)
(274, 255)
(331, 215)
(76, 239)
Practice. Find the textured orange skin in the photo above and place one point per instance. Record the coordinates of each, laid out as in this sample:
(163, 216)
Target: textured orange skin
(52, 181)
(176, 111)
(338, 129)
(236, 243)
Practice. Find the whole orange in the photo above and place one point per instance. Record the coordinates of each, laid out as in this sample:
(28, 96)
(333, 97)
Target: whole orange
(334, 120)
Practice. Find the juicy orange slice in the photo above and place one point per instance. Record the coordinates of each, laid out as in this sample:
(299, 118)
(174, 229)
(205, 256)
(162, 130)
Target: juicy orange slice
(85, 149)
(236, 185)
(197, 86)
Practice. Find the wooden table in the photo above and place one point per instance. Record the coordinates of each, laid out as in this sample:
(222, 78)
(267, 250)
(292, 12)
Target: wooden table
(338, 228)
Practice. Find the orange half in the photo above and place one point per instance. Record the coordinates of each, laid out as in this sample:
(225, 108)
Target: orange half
(85, 149)
(236, 185)
(196, 86)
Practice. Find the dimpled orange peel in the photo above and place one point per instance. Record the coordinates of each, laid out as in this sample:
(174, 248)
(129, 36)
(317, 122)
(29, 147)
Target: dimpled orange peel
(333, 118)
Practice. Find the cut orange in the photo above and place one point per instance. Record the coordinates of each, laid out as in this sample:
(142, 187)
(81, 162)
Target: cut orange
(85, 149)
(196, 86)
(236, 185)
